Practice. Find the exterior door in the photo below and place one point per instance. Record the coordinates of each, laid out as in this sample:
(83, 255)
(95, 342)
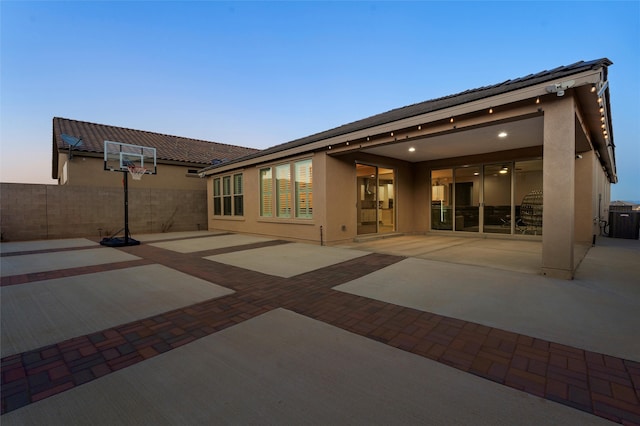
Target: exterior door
(376, 199)
(467, 199)
(497, 198)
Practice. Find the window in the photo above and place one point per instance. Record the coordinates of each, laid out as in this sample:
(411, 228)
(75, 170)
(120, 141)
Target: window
(227, 196)
(238, 207)
(283, 191)
(304, 189)
(266, 193)
(217, 199)
(298, 199)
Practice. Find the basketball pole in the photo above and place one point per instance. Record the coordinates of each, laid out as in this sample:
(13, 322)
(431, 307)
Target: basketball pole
(126, 208)
(123, 158)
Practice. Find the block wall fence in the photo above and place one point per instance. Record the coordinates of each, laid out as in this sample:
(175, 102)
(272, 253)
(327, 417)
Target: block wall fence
(33, 212)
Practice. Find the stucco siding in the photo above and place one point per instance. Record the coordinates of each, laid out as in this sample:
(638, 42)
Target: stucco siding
(89, 171)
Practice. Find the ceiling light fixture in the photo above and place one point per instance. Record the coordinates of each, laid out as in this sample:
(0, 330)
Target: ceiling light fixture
(451, 120)
(593, 88)
(538, 100)
(412, 149)
(490, 110)
(502, 134)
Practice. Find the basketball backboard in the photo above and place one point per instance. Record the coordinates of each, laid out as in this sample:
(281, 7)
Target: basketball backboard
(118, 157)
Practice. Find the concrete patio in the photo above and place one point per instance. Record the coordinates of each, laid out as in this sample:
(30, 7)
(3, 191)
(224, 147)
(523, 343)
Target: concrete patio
(201, 328)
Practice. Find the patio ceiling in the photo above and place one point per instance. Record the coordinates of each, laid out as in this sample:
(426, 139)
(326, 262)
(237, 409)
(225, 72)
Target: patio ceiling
(519, 134)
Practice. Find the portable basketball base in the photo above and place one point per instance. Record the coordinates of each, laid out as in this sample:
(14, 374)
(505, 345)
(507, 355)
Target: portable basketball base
(126, 158)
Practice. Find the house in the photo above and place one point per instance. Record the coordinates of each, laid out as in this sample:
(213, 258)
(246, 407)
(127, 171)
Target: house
(178, 158)
(529, 158)
(88, 200)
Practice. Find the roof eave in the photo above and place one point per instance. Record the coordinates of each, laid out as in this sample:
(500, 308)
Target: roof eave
(585, 77)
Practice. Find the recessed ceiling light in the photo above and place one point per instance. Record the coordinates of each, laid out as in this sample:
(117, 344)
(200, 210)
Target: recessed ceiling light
(502, 134)
(412, 149)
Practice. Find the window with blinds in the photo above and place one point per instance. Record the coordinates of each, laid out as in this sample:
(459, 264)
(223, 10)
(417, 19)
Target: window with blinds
(283, 198)
(238, 201)
(283, 190)
(266, 193)
(228, 196)
(217, 198)
(304, 189)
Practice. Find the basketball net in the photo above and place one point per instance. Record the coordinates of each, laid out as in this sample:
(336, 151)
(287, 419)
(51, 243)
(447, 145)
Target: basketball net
(136, 172)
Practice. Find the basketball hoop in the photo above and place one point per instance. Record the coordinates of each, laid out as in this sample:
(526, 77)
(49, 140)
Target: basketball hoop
(137, 172)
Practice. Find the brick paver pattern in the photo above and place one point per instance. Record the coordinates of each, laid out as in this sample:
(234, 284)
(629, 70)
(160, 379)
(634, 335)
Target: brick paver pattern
(603, 385)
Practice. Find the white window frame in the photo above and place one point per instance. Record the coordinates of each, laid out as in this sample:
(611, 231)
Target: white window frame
(287, 209)
(228, 196)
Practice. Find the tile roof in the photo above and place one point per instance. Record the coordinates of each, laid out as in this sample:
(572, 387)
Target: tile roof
(168, 148)
(434, 105)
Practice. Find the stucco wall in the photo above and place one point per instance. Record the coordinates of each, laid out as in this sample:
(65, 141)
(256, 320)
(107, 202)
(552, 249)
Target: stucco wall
(251, 222)
(89, 171)
(334, 201)
(30, 212)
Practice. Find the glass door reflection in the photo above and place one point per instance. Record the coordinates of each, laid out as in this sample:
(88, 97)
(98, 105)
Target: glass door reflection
(386, 198)
(441, 200)
(467, 199)
(376, 199)
(497, 198)
(367, 207)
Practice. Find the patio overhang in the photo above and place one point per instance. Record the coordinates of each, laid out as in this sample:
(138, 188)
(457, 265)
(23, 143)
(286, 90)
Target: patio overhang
(502, 123)
(468, 123)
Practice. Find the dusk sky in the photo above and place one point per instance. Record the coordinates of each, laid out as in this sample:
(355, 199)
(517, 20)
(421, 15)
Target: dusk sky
(262, 73)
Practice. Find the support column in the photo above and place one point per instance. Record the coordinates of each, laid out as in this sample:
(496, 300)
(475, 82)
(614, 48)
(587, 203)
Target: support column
(586, 205)
(558, 173)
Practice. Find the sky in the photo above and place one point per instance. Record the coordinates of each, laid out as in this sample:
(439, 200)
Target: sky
(262, 73)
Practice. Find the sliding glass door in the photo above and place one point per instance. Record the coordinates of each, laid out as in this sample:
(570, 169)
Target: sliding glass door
(528, 197)
(376, 199)
(501, 198)
(497, 198)
(467, 199)
(441, 199)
